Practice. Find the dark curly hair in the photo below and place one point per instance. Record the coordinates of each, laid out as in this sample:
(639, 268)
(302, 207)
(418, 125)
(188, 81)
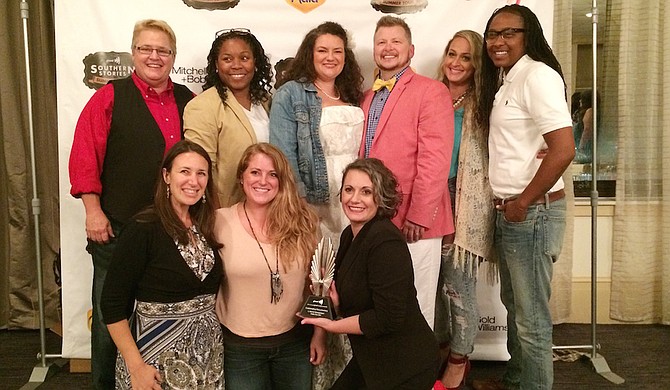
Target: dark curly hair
(259, 89)
(536, 47)
(384, 185)
(348, 82)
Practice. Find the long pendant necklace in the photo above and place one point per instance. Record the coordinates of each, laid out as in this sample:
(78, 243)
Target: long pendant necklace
(460, 99)
(326, 93)
(276, 287)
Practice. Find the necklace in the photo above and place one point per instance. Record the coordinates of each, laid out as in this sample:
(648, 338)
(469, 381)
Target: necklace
(459, 100)
(326, 93)
(276, 287)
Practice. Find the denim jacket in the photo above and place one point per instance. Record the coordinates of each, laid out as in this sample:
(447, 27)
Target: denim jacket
(294, 128)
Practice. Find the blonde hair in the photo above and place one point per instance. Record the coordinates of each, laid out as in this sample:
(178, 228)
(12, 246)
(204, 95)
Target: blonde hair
(292, 224)
(394, 21)
(158, 25)
(476, 41)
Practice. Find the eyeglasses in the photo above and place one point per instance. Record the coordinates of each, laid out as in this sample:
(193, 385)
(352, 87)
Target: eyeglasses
(232, 31)
(147, 50)
(508, 33)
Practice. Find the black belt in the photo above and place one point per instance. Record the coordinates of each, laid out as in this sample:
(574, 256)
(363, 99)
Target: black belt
(546, 199)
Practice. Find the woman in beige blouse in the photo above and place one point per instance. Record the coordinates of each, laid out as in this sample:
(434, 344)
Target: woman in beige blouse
(268, 239)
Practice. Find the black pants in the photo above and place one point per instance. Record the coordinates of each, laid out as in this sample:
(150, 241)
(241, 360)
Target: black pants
(352, 379)
(103, 349)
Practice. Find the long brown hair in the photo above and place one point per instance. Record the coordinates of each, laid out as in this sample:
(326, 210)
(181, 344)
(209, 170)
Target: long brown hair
(202, 212)
(349, 82)
(292, 224)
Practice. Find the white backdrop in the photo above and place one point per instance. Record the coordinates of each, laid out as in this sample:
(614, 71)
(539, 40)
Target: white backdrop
(85, 27)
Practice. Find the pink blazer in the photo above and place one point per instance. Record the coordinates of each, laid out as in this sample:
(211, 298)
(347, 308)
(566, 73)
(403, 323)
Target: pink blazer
(414, 139)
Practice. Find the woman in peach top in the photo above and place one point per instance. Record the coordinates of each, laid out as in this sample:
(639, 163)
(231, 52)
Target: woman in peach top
(268, 239)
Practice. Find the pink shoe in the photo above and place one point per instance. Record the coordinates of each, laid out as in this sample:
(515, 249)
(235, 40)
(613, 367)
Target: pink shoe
(438, 385)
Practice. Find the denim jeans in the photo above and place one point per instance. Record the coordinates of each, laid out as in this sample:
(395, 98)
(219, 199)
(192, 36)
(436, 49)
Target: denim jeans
(527, 251)
(103, 349)
(456, 313)
(285, 367)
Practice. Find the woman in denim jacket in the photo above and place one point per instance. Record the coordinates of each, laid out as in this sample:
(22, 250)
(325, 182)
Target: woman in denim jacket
(315, 120)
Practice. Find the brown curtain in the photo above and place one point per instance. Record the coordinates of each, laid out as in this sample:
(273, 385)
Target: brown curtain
(636, 101)
(18, 279)
(561, 285)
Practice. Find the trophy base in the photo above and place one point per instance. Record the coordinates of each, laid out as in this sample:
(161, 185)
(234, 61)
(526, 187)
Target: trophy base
(317, 307)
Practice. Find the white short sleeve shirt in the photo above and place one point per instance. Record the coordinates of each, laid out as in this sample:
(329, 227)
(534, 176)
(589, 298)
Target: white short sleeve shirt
(530, 103)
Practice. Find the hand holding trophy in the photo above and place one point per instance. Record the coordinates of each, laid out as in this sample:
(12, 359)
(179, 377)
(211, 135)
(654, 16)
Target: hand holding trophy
(319, 305)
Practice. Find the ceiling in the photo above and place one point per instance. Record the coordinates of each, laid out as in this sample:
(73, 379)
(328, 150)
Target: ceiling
(582, 26)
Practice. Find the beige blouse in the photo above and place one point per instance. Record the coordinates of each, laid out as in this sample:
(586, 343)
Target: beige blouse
(243, 303)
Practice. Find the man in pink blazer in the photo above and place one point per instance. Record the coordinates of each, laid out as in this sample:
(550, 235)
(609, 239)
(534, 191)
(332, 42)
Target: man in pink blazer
(410, 127)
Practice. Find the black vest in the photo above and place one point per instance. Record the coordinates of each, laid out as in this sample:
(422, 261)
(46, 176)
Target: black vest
(135, 149)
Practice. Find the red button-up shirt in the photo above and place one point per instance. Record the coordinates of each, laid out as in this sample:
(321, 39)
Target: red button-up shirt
(90, 135)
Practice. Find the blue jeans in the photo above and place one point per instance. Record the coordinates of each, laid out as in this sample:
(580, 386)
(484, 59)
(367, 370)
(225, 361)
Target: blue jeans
(527, 251)
(456, 312)
(103, 349)
(285, 367)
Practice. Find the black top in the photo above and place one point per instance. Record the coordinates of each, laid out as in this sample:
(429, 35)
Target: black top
(147, 266)
(135, 150)
(375, 279)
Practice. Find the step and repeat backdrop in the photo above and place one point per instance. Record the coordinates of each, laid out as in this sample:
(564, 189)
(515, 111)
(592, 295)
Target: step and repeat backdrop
(93, 39)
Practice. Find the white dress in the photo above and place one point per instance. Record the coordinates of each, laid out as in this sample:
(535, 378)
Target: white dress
(341, 129)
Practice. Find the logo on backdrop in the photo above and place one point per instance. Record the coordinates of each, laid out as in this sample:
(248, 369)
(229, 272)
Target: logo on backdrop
(103, 66)
(488, 324)
(211, 4)
(305, 6)
(189, 75)
(399, 6)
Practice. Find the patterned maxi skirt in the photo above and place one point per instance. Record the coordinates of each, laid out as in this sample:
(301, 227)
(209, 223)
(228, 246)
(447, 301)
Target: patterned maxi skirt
(182, 340)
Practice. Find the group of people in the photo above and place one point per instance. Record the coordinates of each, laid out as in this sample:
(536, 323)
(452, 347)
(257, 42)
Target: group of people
(198, 277)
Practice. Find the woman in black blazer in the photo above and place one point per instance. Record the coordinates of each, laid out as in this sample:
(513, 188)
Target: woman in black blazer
(393, 346)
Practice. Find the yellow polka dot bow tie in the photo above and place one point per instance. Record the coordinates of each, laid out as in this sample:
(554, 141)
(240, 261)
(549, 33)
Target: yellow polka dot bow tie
(379, 84)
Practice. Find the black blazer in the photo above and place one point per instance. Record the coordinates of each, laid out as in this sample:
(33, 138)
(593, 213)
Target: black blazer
(375, 279)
